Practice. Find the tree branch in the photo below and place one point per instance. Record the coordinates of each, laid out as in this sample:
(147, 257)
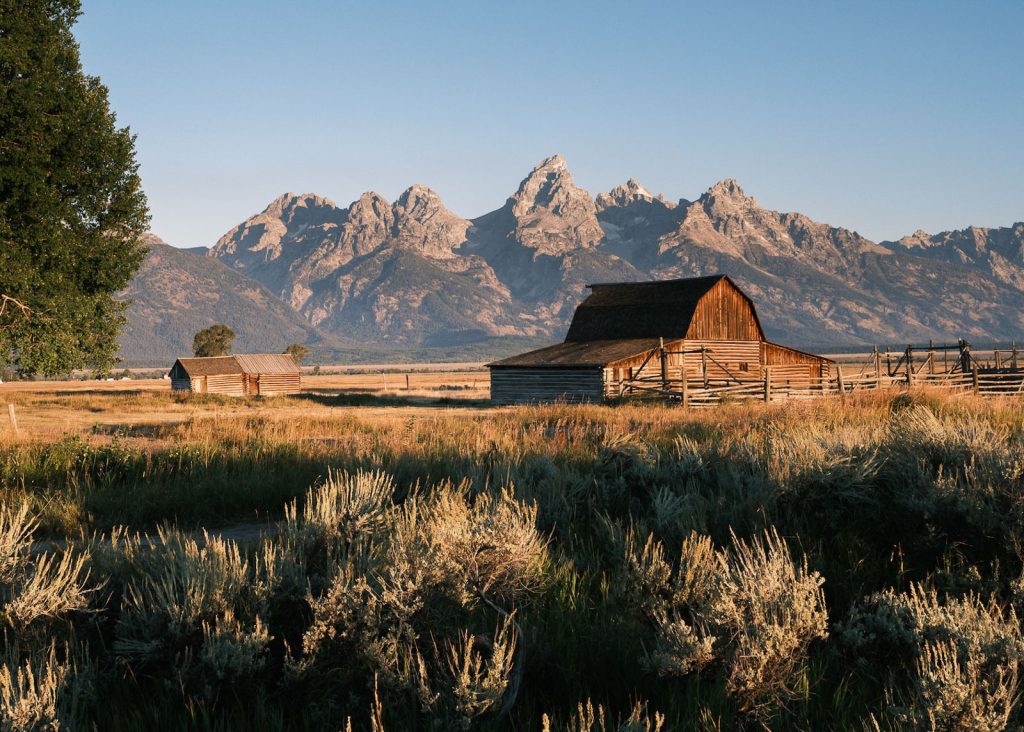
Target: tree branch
(6, 301)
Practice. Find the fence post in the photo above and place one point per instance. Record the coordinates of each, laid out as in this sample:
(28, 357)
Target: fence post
(407, 382)
(767, 383)
(13, 418)
(839, 381)
(878, 369)
(684, 389)
(974, 378)
(664, 364)
(965, 355)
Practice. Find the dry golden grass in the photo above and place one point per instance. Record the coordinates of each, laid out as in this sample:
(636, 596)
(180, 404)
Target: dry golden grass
(46, 410)
(449, 553)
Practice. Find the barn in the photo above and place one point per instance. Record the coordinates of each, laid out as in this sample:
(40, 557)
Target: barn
(268, 374)
(697, 331)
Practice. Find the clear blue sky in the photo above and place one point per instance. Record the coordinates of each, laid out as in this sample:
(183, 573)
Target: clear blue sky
(882, 117)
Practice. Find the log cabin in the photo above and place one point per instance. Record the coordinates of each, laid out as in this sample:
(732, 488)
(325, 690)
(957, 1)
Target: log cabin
(698, 330)
(269, 374)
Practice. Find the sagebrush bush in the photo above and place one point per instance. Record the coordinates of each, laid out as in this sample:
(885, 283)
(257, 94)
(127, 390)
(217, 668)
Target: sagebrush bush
(35, 586)
(773, 608)
(955, 691)
(591, 719)
(194, 608)
(30, 693)
(966, 655)
(477, 568)
(751, 607)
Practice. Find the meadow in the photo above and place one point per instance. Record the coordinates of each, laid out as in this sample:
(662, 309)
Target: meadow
(355, 558)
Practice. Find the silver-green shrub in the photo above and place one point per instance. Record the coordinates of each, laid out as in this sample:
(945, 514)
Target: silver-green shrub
(966, 653)
(30, 693)
(750, 608)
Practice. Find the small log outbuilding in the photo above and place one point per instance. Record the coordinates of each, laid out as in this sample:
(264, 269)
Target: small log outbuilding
(243, 375)
(699, 330)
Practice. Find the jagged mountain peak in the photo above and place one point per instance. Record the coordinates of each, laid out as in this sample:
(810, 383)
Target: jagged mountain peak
(370, 220)
(263, 237)
(289, 202)
(728, 191)
(548, 184)
(555, 162)
(422, 221)
(371, 200)
(552, 214)
(628, 193)
(419, 196)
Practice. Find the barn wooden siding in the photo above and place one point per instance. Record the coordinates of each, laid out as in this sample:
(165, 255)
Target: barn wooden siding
(532, 385)
(796, 367)
(724, 314)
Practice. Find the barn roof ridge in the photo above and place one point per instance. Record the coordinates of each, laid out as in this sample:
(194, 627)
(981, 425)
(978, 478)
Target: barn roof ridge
(239, 363)
(646, 309)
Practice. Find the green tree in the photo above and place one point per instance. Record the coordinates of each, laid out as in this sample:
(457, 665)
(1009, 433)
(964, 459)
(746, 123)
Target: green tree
(297, 351)
(72, 210)
(213, 341)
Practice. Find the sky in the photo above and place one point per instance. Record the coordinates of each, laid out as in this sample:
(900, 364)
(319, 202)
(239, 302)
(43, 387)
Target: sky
(882, 117)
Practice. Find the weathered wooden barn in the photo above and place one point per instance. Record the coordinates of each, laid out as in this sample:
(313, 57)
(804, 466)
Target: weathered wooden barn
(697, 331)
(243, 375)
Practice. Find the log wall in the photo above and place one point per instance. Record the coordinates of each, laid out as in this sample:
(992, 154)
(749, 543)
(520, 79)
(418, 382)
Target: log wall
(532, 385)
(738, 359)
(276, 384)
(229, 384)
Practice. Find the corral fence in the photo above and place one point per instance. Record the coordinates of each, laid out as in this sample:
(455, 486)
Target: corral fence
(952, 368)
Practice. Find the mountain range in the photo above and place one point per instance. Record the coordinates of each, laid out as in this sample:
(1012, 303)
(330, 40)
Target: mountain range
(411, 274)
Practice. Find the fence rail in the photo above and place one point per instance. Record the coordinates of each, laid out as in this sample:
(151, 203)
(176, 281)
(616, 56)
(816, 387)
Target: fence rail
(698, 392)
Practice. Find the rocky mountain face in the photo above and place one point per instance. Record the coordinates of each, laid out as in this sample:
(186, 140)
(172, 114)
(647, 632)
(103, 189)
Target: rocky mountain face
(176, 293)
(996, 252)
(413, 273)
(375, 271)
(815, 284)
(544, 244)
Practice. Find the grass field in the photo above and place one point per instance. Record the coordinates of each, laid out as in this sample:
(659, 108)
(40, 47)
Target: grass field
(435, 563)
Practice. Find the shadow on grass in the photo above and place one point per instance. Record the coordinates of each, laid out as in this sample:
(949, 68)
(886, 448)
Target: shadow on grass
(365, 399)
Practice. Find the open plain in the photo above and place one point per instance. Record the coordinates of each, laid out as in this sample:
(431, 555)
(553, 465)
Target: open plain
(391, 556)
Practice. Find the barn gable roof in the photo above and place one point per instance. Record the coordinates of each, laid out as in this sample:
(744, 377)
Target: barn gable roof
(629, 310)
(581, 354)
(270, 363)
(267, 363)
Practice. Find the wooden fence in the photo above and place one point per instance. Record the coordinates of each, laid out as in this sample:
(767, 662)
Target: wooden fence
(1003, 378)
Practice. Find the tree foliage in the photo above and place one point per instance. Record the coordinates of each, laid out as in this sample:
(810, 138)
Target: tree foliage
(213, 341)
(72, 211)
(297, 351)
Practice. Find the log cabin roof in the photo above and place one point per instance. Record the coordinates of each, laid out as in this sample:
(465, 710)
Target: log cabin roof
(581, 354)
(268, 363)
(665, 308)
